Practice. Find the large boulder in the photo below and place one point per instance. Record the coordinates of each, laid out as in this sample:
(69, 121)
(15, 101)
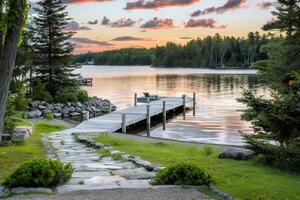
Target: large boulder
(42, 107)
(34, 114)
(65, 110)
(57, 115)
(236, 154)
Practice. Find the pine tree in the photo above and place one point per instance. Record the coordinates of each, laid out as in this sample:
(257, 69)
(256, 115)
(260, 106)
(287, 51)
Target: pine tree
(52, 46)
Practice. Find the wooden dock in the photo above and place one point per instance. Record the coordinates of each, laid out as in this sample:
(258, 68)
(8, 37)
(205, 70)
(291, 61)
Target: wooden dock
(121, 119)
(85, 81)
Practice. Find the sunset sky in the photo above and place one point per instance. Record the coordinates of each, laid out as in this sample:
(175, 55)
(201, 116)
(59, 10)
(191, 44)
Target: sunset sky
(113, 24)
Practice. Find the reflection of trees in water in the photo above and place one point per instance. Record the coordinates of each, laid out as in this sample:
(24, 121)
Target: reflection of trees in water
(207, 82)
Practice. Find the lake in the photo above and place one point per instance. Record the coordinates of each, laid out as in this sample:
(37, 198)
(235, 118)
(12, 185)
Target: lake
(218, 113)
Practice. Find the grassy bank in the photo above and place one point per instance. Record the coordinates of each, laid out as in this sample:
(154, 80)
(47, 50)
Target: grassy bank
(13, 155)
(240, 179)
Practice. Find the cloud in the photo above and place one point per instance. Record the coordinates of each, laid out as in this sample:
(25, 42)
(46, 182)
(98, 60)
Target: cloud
(105, 21)
(265, 5)
(228, 6)
(129, 38)
(82, 1)
(204, 23)
(81, 40)
(156, 4)
(74, 26)
(156, 23)
(123, 22)
(93, 22)
(185, 38)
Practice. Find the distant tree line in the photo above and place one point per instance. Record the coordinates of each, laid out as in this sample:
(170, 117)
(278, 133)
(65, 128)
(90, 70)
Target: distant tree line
(211, 51)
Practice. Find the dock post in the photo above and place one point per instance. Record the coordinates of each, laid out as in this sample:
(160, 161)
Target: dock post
(110, 108)
(123, 123)
(135, 99)
(184, 104)
(194, 104)
(148, 99)
(164, 115)
(148, 121)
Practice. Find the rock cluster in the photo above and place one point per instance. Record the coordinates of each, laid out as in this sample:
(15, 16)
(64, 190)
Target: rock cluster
(95, 107)
(236, 154)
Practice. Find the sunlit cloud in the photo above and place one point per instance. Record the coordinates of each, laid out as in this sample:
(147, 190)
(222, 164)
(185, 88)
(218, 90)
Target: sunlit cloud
(203, 23)
(129, 38)
(82, 40)
(156, 23)
(265, 5)
(156, 4)
(122, 22)
(227, 7)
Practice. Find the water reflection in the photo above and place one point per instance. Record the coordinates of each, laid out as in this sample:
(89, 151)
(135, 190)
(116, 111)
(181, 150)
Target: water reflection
(218, 112)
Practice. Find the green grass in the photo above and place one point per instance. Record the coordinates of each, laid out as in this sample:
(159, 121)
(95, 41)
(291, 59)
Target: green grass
(11, 156)
(240, 179)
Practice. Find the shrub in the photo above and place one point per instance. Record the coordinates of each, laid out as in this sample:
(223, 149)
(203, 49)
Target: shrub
(286, 158)
(39, 173)
(182, 174)
(71, 94)
(9, 125)
(49, 116)
(40, 93)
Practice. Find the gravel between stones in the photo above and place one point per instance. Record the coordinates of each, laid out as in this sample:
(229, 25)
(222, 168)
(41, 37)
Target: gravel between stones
(122, 194)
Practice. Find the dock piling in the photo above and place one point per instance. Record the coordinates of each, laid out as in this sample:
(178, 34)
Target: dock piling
(194, 104)
(148, 121)
(123, 123)
(164, 115)
(184, 106)
(135, 99)
(148, 99)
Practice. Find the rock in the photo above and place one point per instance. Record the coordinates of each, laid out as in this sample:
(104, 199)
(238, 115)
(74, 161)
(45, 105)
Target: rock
(34, 104)
(34, 114)
(78, 104)
(57, 115)
(74, 114)
(77, 109)
(22, 190)
(69, 104)
(3, 192)
(65, 110)
(133, 174)
(42, 107)
(236, 154)
(46, 111)
(72, 109)
(27, 129)
(50, 106)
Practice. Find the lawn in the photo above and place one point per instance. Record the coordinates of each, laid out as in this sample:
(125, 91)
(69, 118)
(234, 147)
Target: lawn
(13, 155)
(240, 179)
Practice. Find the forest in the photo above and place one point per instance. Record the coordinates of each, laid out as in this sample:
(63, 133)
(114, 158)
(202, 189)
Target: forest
(212, 51)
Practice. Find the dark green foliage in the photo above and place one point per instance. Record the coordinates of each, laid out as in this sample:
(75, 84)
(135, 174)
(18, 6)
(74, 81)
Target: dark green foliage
(276, 119)
(213, 51)
(117, 57)
(182, 174)
(9, 125)
(39, 173)
(40, 93)
(52, 46)
(71, 94)
(286, 158)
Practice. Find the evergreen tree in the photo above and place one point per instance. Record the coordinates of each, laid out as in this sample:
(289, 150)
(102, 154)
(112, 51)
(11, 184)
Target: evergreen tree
(277, 119)
(52, 46)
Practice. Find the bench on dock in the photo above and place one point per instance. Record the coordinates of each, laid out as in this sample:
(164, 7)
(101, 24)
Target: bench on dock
(85, 81)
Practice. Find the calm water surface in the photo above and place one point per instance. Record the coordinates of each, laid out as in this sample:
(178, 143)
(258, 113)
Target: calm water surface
(218, 113)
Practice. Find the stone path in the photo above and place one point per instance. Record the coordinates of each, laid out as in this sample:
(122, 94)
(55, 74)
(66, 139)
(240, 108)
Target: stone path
(93, 172)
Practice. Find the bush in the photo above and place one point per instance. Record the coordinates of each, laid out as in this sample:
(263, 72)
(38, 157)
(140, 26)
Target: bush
(40, 93)
(9, 125)
(71, 94)
(39, 173)
(49, 116)
(182, 174)
(282, 157)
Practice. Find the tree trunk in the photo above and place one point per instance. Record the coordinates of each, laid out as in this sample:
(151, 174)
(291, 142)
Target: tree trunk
(8, 56)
